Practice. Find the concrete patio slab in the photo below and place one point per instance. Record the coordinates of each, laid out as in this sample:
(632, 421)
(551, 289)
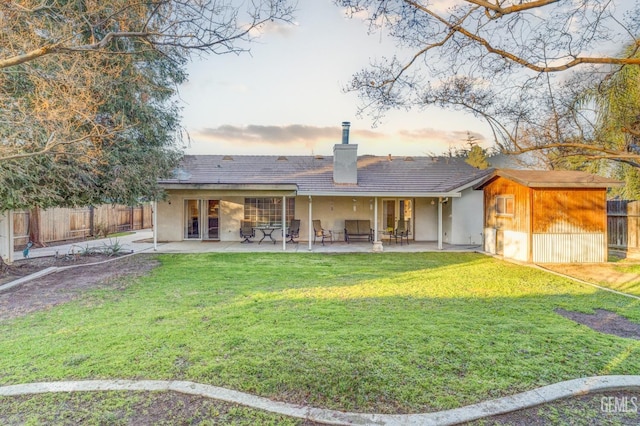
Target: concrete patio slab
(142, 241)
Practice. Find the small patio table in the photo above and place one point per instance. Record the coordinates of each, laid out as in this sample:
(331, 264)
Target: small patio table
(267, 231)
(337, 235)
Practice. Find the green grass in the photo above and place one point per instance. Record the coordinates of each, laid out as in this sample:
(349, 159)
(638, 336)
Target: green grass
(130, 408)
(631, 286)
(392, 332)
(120, 234)
(586, 410)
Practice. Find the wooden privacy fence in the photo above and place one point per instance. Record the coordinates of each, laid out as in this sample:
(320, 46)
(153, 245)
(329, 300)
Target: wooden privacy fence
(623, 221)
(60, 224)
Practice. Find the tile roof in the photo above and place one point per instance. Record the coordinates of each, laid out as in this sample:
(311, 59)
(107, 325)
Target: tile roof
(314, 174)
(554, 179)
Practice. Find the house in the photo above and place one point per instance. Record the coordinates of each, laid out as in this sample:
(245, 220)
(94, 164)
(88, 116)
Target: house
(211, 195)
(546, 216)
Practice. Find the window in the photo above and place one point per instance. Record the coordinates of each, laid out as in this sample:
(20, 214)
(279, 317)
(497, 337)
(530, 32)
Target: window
(505, 205)
(267, 211)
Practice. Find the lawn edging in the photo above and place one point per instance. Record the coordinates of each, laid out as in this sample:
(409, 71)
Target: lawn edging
(528, 399)
(42, 273)
(54, 269)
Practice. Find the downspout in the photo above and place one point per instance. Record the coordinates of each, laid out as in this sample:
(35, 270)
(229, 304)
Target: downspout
(154, 206)
(439, 223)
(310, 226)
(284, 223)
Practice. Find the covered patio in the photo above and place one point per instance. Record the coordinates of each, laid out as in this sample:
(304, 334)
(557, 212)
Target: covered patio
(142, 241)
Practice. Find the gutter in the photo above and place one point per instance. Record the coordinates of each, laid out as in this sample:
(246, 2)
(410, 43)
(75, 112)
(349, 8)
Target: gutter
(380, 194)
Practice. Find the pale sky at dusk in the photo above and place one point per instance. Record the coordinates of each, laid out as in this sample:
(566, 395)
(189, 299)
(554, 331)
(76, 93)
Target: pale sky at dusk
(286, 97)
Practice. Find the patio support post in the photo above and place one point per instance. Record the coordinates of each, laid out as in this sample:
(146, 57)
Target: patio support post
(154, 206)
(440, 223)
(310, 226)
(10, 237)
(284, 223)
(377, 244)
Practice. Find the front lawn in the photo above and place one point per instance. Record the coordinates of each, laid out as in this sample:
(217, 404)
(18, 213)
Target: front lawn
(392, 332)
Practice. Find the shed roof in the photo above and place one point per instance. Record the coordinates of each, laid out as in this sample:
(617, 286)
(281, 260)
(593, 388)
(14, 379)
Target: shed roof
(552, 179)
(313, 175)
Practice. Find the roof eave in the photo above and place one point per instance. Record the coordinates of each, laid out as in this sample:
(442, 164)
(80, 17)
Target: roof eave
(530, 184)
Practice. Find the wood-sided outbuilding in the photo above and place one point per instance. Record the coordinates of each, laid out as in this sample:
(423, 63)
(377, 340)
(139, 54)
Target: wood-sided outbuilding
(543, 216)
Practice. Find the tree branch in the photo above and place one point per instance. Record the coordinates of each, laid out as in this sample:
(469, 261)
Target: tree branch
(499, 10)
(458, 28)
(29, 56)
(607, 153)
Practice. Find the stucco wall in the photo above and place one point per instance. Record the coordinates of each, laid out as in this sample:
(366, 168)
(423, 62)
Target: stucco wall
(331, 211)
(467, 218)
(171, 214)
(426, 220)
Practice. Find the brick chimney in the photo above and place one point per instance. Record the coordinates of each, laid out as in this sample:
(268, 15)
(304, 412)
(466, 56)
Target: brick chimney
(345, 159)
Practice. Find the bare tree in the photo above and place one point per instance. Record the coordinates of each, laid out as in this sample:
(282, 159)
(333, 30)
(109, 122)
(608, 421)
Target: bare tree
(88, 90)
(170, 26)
(521, 66)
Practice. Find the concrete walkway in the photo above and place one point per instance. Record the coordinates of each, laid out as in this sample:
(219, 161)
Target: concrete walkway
(130, 243)
(507, 404)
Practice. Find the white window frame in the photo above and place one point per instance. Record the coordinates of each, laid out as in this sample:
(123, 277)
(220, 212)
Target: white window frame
(505, 205)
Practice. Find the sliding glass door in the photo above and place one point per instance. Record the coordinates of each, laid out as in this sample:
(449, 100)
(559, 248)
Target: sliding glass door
(395, 210)
(201, 219)
(213, 229)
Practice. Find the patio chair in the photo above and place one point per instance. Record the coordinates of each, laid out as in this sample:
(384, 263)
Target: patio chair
(402, 231)
(293, 231)
(247, 232)
(320, 232)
